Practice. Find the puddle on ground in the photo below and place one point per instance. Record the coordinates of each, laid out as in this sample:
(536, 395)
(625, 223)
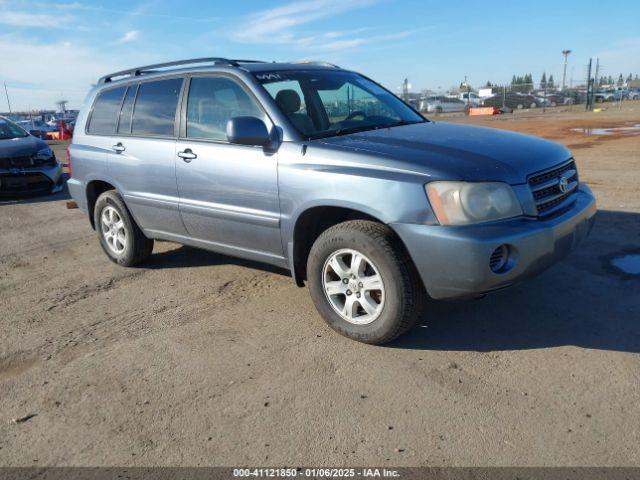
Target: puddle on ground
(629, 264)
(629, 130)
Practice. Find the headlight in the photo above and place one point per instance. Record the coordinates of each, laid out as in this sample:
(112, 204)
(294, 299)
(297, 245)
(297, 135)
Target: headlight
(459, 203)
(44, 153)
(45, 156)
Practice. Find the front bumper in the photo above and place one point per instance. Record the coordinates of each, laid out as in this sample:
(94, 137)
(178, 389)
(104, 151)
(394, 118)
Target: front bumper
(453, 261)
(32, 180)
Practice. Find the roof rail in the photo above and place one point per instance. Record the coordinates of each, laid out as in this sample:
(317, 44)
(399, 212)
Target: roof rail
(315, 62)
(134, 72)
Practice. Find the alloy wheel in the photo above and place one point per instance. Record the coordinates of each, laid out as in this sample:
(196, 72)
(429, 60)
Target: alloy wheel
(353, 286)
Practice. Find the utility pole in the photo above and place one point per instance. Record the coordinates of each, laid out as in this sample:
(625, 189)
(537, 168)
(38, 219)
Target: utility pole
(595, 78)
(7, 94)
(564, 72)
(589, 96)
(405, 90)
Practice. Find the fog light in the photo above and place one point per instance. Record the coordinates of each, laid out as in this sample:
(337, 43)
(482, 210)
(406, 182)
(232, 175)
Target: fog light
(499, 258)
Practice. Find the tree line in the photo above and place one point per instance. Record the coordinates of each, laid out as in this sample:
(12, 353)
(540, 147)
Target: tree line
(524, 83)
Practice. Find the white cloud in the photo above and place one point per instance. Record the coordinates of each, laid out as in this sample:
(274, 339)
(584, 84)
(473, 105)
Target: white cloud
(277, 25)
(33, 82)
(130, 36)
(289, 24)
(35, 20)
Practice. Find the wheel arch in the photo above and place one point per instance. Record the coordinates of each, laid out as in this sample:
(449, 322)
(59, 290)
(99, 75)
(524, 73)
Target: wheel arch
(94, 189)
(311, 223)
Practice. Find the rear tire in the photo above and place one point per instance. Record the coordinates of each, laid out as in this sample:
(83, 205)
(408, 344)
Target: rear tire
(120, 237)
(392, 305)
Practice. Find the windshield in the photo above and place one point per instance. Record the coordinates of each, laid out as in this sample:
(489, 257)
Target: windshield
(324, 103)
(10, 130)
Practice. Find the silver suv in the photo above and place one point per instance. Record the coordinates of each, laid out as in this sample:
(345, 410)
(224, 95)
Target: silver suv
(324, 172)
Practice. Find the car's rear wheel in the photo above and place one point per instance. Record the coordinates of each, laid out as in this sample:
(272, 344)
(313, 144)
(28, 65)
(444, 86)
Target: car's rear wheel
(120, 237)
(363, 282)
(520, 106)
(533, 105)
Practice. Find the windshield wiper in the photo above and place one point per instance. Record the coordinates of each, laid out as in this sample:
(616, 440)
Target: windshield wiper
(347, 131)
(363, 128)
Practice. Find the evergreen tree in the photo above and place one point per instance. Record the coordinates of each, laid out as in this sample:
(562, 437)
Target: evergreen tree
(550, 82)
(543, 81)
(620, 80)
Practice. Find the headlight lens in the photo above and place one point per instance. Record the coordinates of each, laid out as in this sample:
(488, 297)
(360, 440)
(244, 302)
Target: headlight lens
(460, 203)
(44, 153)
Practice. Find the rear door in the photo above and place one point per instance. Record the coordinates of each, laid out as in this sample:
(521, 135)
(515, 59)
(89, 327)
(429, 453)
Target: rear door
(228, 193)
(142, 160)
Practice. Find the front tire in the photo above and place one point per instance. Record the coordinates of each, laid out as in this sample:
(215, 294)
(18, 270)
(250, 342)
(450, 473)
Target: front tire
(120, 237)
(363, 282)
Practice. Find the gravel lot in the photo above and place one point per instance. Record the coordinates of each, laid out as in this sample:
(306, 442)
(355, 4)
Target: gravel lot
(200, 359)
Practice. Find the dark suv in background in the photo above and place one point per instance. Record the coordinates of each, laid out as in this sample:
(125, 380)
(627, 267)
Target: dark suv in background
(27, 164)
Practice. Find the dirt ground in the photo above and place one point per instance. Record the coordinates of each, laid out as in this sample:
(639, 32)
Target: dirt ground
(200, 359)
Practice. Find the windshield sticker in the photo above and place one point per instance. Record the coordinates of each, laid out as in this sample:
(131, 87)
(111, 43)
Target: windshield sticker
(268, 76)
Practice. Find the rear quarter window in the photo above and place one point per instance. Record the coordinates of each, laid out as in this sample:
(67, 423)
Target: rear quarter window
(104, 115)
(155, 109)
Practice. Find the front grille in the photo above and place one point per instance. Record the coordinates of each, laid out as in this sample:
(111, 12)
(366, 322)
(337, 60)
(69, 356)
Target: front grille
(25, 162)
(546, 188)
(24, 183)
(17, 162)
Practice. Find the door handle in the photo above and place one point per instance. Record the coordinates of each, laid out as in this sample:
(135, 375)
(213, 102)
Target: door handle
(187, 155)
(119, 148)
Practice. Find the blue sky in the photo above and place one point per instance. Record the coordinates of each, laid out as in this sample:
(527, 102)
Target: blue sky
(50, 50)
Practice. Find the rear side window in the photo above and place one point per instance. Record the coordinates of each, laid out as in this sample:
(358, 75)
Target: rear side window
(124, 125)
(105, 112)
(155, 109)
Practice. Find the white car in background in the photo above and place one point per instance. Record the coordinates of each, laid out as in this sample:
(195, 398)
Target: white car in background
(473, 98)
(441, 104)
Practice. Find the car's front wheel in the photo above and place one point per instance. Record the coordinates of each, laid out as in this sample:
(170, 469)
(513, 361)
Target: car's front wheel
(120, 237)
(363, 282)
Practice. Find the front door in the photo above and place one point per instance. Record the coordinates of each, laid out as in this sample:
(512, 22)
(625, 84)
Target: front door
(228, 193)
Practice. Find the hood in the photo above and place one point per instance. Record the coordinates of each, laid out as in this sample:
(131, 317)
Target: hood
(19, 147)
(455, 152)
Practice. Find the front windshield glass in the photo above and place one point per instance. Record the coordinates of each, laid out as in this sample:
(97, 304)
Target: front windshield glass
(10, 130)
(324, 103)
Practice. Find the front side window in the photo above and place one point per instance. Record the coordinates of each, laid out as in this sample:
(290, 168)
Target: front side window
(155, 109)
(105, 112)
(323, 103)
(212, 102)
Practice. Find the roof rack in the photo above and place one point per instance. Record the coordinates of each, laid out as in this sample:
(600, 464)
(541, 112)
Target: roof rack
(134, 72)
(314, 62)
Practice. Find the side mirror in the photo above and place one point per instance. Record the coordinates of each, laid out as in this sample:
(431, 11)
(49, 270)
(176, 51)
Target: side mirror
(247, 131)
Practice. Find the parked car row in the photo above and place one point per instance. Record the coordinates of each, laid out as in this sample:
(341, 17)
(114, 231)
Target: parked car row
(27, 163)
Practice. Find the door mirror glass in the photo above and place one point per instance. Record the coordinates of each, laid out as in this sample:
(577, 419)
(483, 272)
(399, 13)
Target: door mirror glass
(247, 131)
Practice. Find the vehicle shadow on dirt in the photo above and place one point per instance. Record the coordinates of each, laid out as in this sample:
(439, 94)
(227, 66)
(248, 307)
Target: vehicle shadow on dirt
(185, 256)
(583, 301)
